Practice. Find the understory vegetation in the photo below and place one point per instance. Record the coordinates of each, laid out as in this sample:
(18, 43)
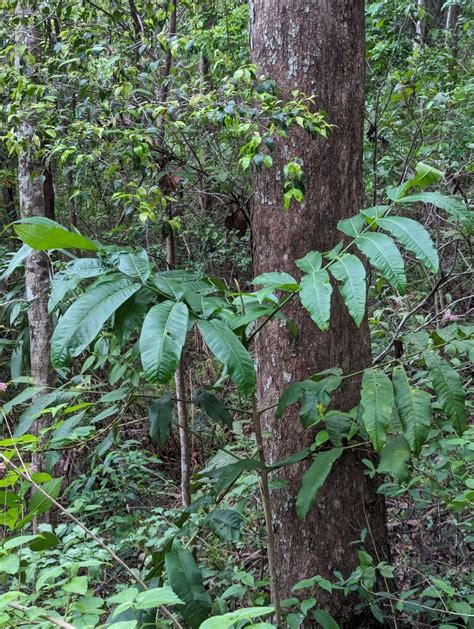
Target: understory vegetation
(136, 485)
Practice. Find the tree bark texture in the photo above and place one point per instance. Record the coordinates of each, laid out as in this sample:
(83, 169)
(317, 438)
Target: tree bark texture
(317, 47)
(32, 203)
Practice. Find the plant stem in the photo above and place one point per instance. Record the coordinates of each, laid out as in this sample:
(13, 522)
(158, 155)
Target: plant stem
(267, 509)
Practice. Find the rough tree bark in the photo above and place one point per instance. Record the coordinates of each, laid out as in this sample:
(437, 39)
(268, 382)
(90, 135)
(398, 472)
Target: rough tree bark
(32, 203)
(317, 47)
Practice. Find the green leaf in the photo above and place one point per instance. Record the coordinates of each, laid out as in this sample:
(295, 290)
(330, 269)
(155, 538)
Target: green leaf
(376, 405)
(277, 281)
(135, 265)
(227, 348)
(414, 409)
(9, 564)
(455, 208)
(228, 474)
(226, 524)
(315, 296)
(384, 256)
(42, 234)
(394, 457)
(186, 580)
(160, 415)
(44, 541)
(212, 406)
(85, 318)
(314, 478)
(338, 425)
(414, 237)
(231, 618)
(325, 619)
(156, 597)
(352, 226)
(311, 262)
(19, 257)
(77, 585)
(448, 386)
(351, 272)
(39, 503)
(161, 340)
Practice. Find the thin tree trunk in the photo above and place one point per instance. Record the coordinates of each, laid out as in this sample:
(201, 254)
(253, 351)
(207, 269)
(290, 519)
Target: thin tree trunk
(318, 48)
(32, 203)
(48, 193)
(180, 383)
(451, 27)
(420, 24)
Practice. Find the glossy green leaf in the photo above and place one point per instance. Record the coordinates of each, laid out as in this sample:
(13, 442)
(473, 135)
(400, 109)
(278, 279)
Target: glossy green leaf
(351, 272)
(338, 425)
(161, 340)
(136, 265)
(18, 258)
(160, 416)
(414, 237)
(449, 389)
(384, 256)
(314, 478)
(226, 524)
(414, 409)
(186, 580)
(227, 348)
(315, 295)
(43, 234)
(394, 457)
(214, 407)
(83, 321)
(376, 406)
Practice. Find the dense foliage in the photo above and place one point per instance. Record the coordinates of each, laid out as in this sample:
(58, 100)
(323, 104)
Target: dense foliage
(149, 120)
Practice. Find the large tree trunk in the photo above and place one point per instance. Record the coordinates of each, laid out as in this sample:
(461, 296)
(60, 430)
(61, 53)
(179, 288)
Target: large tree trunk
(32, 203)
(317, 47)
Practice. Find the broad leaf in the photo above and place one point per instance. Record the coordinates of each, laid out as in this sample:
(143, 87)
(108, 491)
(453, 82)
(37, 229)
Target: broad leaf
(227, 348)
(338, 425)
(384, 256)
(315, 295)
(325, 619)
(228, 474)
(42, 234)
(84, 319)
(314, 478)
(394, 457)
(351, 272)
(376, 404)
(160, 415)
(226, 524)
(277, 281)
(135, 265)
(157, 596)
(186, 580)
(226, 621)
(414, 409)
(448, 386)
(18, 259)
(161, 340)
(352, 226)
(414, 237)
(311, 262)
(456, 208)
(212, 406)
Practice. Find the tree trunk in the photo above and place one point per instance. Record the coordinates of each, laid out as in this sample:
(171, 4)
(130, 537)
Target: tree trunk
(32, 203)
(318, 48)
